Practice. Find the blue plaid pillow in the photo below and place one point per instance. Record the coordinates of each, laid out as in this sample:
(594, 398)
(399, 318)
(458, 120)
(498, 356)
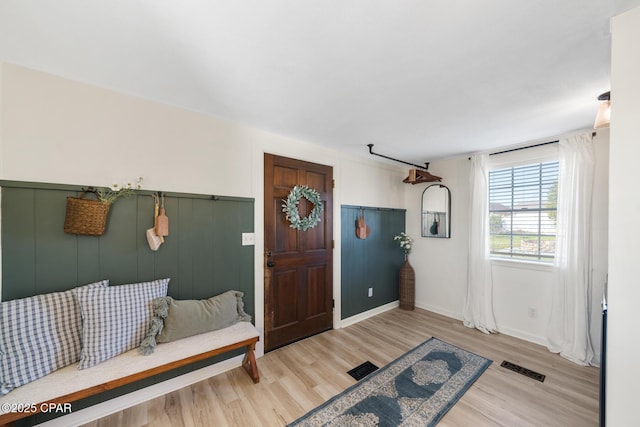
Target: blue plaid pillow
(115, 319)
(38, 335)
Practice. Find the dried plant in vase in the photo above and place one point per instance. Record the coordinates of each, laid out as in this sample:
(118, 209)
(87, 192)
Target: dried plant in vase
(407, 274)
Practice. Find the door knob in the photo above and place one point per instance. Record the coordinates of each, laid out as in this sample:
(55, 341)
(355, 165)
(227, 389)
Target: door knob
(270, 263)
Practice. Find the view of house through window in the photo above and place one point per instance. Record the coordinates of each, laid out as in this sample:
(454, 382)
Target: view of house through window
(522, 211)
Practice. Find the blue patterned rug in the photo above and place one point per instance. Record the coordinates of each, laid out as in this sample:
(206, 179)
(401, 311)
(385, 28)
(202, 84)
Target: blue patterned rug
(416, 389)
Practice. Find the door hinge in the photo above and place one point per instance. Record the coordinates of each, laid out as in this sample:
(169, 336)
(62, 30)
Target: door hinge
(333, 183)
(333, 244)
(333, 303)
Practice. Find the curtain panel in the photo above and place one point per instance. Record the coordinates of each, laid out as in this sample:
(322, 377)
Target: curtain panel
(568, 330)
(478, 306)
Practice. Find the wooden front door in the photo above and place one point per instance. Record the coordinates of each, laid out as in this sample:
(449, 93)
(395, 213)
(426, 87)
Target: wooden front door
(298, 264)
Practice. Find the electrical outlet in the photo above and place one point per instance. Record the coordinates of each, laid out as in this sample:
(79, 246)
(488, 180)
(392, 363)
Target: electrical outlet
(370, 292)
(533, 312)
(248, 239)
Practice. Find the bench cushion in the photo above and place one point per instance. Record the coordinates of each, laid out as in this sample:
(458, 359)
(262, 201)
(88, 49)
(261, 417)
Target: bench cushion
(38, 335)
(70, 380)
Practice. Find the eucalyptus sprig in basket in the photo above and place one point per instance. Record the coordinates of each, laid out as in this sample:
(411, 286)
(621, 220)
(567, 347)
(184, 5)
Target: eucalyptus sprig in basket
(89, 216)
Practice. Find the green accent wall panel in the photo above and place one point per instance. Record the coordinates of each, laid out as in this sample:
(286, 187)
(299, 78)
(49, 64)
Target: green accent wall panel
(55, 259)
(372, 262)
(203, 254)
(205, 243)
(228, 250)
(88, 264)
(119, 245)
(146, 258)
(186, 244)
(21, 232)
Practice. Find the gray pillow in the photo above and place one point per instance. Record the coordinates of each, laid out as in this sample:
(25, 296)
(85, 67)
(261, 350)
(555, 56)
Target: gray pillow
(191, 317)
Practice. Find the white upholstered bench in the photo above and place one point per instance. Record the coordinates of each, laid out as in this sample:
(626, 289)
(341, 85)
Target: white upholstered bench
(70, 383)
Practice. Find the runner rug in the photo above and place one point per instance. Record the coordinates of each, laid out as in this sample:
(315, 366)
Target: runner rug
(416, 389)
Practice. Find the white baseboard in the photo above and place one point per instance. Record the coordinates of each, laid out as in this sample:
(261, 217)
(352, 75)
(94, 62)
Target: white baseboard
(438, 310)
(128, 400)
(523, 335)
(367, 314)
(516, 333)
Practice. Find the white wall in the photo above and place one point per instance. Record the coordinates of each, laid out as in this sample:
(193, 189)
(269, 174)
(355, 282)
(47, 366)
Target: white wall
(623, 345)
(57, 130)
(441, 264)
(61, 131)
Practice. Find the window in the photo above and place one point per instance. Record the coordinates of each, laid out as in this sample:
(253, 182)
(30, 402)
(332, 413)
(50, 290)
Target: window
(522, 211)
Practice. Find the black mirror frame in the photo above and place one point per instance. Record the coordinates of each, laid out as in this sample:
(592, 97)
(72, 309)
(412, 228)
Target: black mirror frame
(424, 226)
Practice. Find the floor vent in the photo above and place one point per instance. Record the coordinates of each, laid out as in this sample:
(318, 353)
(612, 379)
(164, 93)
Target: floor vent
(524, 371)
(361, 371)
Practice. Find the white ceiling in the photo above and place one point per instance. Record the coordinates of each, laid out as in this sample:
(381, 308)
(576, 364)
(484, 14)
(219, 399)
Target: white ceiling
(420, 79)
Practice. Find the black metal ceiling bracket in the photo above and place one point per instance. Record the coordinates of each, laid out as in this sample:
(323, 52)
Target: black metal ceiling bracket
(425, 167)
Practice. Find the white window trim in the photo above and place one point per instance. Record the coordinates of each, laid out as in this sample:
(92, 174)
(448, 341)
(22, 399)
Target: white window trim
(522, 264)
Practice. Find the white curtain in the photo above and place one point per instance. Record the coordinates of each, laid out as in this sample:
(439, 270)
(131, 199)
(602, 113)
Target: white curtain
(568, 331)
(478, 306)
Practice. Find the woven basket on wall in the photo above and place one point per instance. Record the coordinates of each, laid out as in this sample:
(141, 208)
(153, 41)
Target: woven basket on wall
(85, 216)
(407, 286)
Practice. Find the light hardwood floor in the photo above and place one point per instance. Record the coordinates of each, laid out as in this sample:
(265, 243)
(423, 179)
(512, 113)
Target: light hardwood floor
(301, 376)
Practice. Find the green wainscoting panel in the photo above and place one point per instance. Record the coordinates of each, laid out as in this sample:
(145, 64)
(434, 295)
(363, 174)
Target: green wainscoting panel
(373, 262)
(203, 254)
(20, 260)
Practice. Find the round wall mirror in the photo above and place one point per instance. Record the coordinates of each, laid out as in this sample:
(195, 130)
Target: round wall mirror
(436, 211)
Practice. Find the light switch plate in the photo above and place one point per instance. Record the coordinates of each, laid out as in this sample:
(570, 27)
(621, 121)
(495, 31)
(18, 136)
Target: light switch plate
(248, 239)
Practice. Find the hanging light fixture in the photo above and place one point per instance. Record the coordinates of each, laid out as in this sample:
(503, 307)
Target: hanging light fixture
(603, 118)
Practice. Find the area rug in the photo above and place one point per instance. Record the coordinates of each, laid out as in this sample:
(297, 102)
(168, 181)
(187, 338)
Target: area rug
(416, 389)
